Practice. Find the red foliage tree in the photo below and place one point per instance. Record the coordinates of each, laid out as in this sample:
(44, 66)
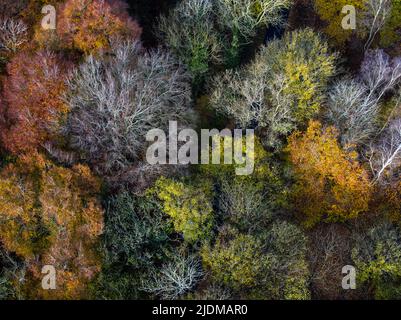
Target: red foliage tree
(32, 102)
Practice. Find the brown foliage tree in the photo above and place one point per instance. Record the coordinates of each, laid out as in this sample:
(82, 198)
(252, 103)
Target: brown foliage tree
(50, 215)
(90, 25)
(12, 8)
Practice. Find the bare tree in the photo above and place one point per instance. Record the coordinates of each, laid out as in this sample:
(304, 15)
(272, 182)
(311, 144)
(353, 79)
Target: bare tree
(241, 95)
(174, 278)
(245, 204)
(115, 99)
(13, 33)
(141, 176)
(385, 156)
(352, 110)
(14, 271)
(212, 292)
(329, 252)
(241, 14)
(189, 31)
(380, 73)
(256, 97)
(354, 104)
(62, 156)
(375, 17)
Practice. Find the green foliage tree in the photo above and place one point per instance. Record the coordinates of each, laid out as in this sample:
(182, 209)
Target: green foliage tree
(256, 154)
(373, 18)
(268, 266)
(247, 202)
(207, 32)
(136, 230)
(136, 238)
(289, 244)
(241, 19)
(250, 203)
(188, 205)
(377, 257)
(390, 34)
(238, 261)
(280, 89)
(189, 32)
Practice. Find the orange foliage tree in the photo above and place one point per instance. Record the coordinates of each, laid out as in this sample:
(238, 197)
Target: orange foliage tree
(32, 106)
(331, 184)
(51, 215)
(90, 25)
(31, 10)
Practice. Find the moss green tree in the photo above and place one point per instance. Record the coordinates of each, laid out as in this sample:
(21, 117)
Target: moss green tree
(331, 13)
(390, 34)
(136, 238)
(267, 266)
(208, 32)
(377, 257)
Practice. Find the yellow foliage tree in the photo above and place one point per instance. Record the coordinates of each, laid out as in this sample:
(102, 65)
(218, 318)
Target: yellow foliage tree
(252, 154)
(331, 184)
(190, 207)
(50, 215)
(331, 13)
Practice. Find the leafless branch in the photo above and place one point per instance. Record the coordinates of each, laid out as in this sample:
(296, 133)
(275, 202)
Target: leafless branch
(175, 278)
(13, 33)
(385, 155)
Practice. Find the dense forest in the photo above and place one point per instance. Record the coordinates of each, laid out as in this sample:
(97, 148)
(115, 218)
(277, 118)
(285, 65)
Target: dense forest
(84, 82)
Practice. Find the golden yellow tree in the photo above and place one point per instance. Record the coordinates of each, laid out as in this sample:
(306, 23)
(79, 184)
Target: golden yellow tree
(331, 184)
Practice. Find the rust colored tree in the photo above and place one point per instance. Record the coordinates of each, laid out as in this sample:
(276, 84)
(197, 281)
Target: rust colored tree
(32, 105)
(90, 25)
